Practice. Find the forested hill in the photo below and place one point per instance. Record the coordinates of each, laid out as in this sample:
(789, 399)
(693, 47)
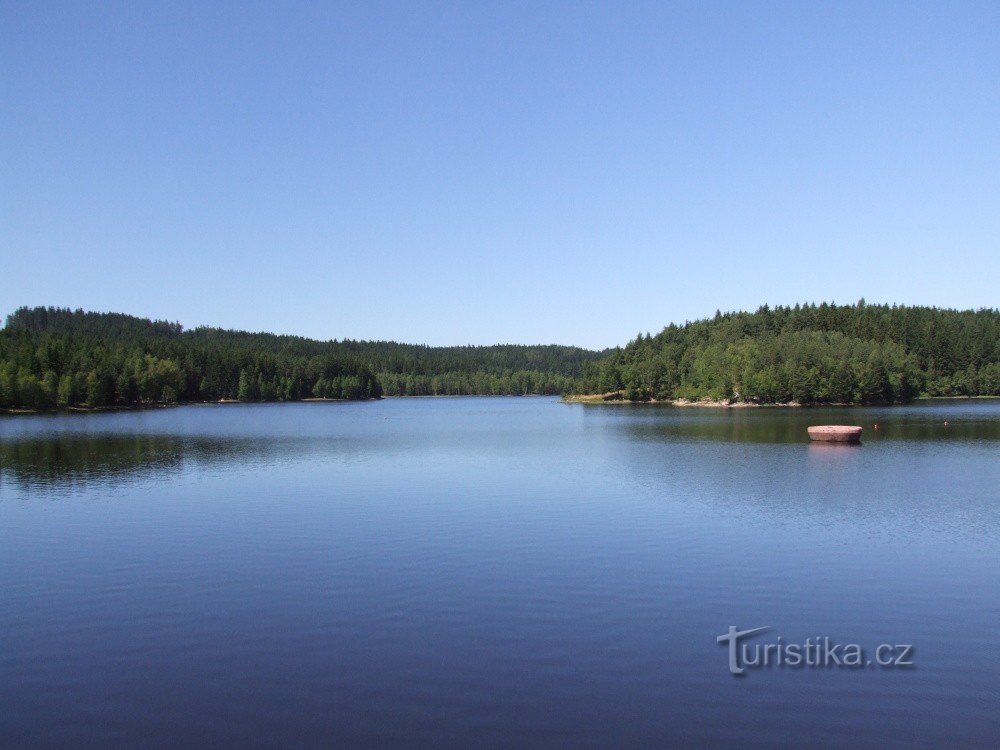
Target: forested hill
(53, 357)
(810, 354)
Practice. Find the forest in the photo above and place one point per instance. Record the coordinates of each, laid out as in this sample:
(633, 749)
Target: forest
(53, 358)
(56, 358)
(809, 354)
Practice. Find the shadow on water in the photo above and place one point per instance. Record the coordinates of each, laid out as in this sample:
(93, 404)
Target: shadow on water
(72, 460)
(69, 461)
(965, 422)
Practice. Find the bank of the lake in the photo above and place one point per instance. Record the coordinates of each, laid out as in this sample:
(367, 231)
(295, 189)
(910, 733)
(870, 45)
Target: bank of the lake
(617, 398)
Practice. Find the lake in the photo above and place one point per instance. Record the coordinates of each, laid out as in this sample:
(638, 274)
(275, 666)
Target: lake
(515, 572)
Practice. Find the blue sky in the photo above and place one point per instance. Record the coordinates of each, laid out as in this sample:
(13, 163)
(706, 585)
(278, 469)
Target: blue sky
(490, 172)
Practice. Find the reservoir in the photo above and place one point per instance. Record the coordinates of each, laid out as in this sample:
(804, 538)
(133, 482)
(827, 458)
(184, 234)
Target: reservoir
(518, 572)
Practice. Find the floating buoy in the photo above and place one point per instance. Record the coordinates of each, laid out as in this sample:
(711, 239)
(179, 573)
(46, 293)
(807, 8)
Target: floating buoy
(835, 433)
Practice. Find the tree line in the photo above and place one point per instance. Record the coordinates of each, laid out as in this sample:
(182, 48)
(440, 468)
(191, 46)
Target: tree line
(56, 358)
(52, 358)
(477, 383)
(810, 354)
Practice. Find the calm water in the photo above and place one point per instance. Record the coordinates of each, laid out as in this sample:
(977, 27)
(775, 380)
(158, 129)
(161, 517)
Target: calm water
(494, 572)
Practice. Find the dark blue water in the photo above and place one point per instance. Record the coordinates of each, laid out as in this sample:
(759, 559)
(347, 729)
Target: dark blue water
(494, 572)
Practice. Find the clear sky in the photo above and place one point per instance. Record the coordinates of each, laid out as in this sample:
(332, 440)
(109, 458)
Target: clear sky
(480, 172)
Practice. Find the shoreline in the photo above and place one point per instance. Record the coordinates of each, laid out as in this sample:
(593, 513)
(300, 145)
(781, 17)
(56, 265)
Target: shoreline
(144, 407)
(77, 409)
(614, 398)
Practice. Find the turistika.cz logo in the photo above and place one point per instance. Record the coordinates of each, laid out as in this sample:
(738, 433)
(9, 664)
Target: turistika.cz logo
(820, 652)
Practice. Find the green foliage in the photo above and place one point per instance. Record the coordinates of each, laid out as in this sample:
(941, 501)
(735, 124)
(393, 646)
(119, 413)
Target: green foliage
(53, 358)
(135, 361)
(457, 383)
(65, 391)
(810, 354)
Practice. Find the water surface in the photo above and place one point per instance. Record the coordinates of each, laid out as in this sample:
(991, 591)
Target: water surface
(494, 571)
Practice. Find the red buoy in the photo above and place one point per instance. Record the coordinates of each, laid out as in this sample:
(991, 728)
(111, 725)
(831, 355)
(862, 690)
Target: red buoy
(835, 433)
